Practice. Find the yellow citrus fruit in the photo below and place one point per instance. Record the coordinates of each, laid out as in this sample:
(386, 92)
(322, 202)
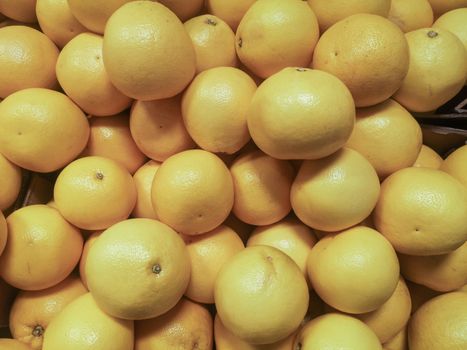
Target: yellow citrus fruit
(143, 178)
(411, 15)
(230, 11)
(94, 193)
(437, 69)
(275, 34)
(139, 275)
(192, 192)
(368, 53)
(440, 324)
(82, 75)
(441, 273)
(335, 331)
(262, 188)
(261, 295)
(162, 60)
(454, 21)
(3, 232)
(28, 59)
(323, 189)
(442, 6)
(42, 130)
(456, 164)
(214, 109)
(388, 136)
(301, 113)
(82, 325)
(330, 12)
(398, 342)
(422, 211)
(184, 9)
(354, 271)
(32, 311)
(187, 325)
(57, 21)
(420, 294)
(208, 253)
(84, 255)
(428, 158)
(37, 236)
(19, 10)
(213, 41)
(12, 344)
(157, 128)
(110, 137)
(10, 183)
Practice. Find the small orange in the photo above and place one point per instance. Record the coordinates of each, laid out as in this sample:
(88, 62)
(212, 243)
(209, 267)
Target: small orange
(428, 158)
(411, 15)
(143, 178)
(10, 183)
(19, 10)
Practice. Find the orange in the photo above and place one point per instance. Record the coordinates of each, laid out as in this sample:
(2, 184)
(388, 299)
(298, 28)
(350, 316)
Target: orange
(275, 34)
(456, 164)
(57, 21)
(157, 128)
(330, 12)
(262, 188)
(10, 183)
(443, 6)
(184, 9)
(12, 344)
(420, 294)
(82, 75)
(143, 178)
(82, 325)
(388, 136)
(253, 295)
(241, 228)
(213, 41)
(162, 60)
(398, 342)
(32, 311)
(192, 192)
(428, 158)
(110, 137)
(230, 11)
(454, 21)
(301, 113)
(336, 331)
(214, 109)
(437, 69)
(42, 130)
(208, 253)
(440, 324)
(94, 193)
(22, 10)
(411, 15)
(84, 256)
(27, 59)
(422, 211)
(354, 271)
(7, 295)
(186, 326)
(139, 275)
(441, 273)
(323, 189)
(368, 53)
(37, 235)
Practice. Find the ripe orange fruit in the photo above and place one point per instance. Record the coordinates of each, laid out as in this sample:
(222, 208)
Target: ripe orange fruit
(42, 130)
(364, 266)
(275, 34)
(214, 109)
(192, 192)
(143, 178)
(34, 67)
(323, 188)
(442, 6)
(454, 21)
(19, 10)
(187, 325)
(82, 75)
(388, 136)
(262, 188)
(37, 235)
(141, 275)
(368, 53)
(110, 137)
(428, 158)
(12, 344)
(437, 69)
(208, 253)
(57, 21)
(32, 311)
(253, 299)
(422, 211)
(153, 34)
(301, 113)
(184, 9)
(94, 193)
(411, 15)
(84, 256)
(230, 11)
(157, 128)
(456, 164)
(10, 183)
(213, 41)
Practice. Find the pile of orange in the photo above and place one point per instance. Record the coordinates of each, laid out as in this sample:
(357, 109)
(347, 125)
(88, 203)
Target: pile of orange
(231, 175)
